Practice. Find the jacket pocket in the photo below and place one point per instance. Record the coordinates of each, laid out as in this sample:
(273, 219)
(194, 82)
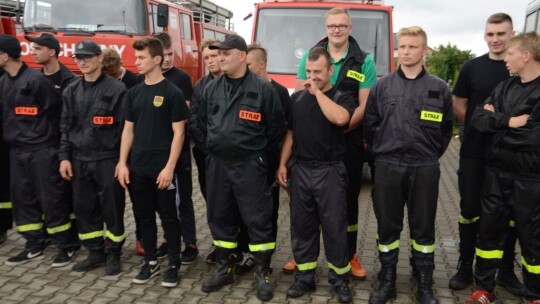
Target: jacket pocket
(431, 113)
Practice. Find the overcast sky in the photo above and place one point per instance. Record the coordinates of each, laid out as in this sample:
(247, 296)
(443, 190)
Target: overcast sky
(460, 22)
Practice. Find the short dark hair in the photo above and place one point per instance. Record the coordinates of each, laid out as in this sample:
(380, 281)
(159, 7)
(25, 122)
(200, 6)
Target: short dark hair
(317, 52)
(500, 18)
(263, 54)
(154, 46)
(165, 39)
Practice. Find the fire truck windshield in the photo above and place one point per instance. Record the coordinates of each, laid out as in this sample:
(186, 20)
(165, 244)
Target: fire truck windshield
(289, 32)
(124, 16)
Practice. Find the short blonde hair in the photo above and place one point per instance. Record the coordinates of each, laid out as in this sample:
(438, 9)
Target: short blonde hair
(339, 10)
(412, 31)
(527, 42)
(208, 42)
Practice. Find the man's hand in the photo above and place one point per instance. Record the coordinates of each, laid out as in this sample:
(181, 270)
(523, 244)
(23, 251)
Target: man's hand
(311, 86)
(281, 177)
(121, 173)
(165, 177)
(65, 170)
(489, 107)
(518, 121)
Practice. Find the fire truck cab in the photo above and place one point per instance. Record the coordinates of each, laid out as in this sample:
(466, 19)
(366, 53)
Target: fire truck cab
(118, 24)
(287, 29)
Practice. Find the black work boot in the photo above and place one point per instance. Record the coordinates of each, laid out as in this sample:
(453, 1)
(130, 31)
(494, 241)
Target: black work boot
(95, 259)
(507, 278)
(464, 276)
(413, 267)
(387, 286)
(424, 290)
(224, 271)
(265, 290)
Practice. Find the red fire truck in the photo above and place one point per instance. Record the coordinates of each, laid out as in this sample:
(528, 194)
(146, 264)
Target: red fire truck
(119, 23)
(288, 28)
(9, 10)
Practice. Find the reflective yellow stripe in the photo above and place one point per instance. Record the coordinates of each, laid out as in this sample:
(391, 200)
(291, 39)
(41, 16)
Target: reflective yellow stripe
(423, 248)
(512, 224)
(91, 235)
(43, 216)
(30, 227)
(352, 228)
(534, 269)
(356, 76)
(489, 254)
(58, 229)
(225, 244)
(262, 247)
(114, 238)
(340, 271)
(307, 266)
(6, 205)
(387, 248)
(466, 221)
(72, 216)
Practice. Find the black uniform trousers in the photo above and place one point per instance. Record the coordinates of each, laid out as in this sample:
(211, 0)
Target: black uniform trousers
(470, 183)
(418, 188)
(185, 203)
(503, 197)
(41, 199)
(98, 199)
(239, 192)
(318, 202)
(147, 200)
(200, 161)
(6, 219)
(354, 164)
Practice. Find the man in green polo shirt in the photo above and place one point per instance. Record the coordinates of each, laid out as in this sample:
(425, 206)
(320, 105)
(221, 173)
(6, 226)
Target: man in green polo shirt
(354, 74)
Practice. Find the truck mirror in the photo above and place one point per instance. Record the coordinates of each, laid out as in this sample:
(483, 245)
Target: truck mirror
(162, 15)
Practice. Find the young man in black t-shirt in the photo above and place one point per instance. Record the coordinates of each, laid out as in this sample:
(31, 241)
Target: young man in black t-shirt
(183, 169)
(315, 139)
(154, 132)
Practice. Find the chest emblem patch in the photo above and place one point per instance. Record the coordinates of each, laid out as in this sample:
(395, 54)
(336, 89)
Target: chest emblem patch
(158, 101)
(356, 76)
(431, 116)
(27, 111)
(252, 116)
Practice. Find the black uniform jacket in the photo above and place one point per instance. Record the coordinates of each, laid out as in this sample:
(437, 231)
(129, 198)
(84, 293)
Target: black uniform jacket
(31, 110)
(245, 126)
(92, 119)
(408, 122)
(515, 151)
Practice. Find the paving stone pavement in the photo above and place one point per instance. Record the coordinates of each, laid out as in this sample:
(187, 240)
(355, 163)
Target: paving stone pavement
(37, 282)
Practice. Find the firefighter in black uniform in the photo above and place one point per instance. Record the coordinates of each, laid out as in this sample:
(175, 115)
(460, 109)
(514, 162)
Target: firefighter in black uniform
(91, 127)
(244, 119)
(32, 113)
(408, 125)
(6, 219)
(316, 142)
(512, 177)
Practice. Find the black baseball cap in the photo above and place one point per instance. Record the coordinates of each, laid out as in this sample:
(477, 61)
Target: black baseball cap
(87, 47)
(11, 46)
(47, 40)
(231, 42)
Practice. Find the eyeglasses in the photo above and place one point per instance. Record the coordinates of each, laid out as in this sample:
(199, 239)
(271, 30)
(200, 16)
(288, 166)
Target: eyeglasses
(333, 27)
(83, 58)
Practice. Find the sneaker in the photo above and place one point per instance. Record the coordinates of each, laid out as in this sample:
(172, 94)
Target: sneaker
(289, 266)
(357, 270)
(189, 254)
(25, 256)
(146, 273)
(211, 257)
(63, 258)
(139, 250)
(299, 288)
(481, 297)
(533, 302)
(171, 277)
(95, 259)
(343, 293)
(112, 265)
(163, 250)
(246, 265)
